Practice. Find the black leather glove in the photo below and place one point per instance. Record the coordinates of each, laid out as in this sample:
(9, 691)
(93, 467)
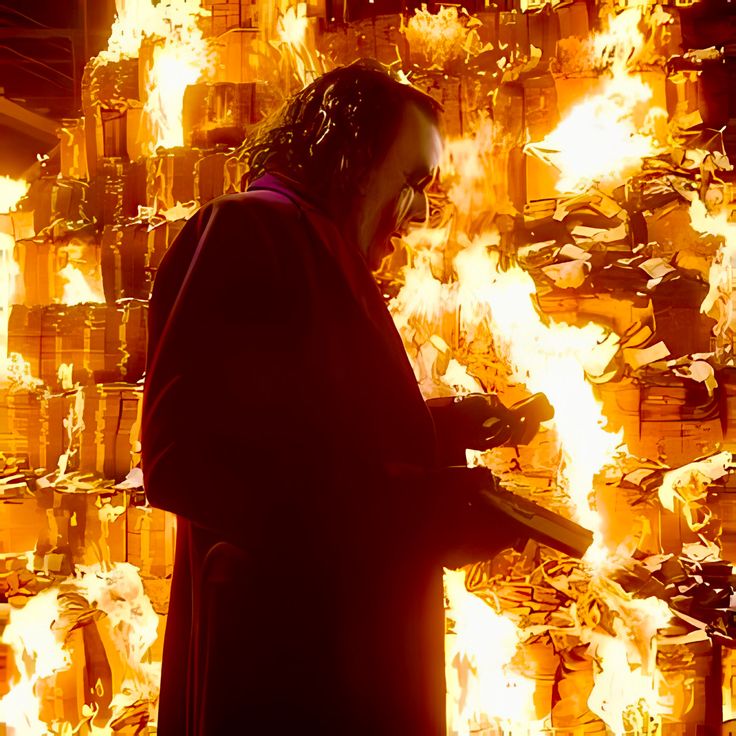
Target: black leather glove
(481, 422)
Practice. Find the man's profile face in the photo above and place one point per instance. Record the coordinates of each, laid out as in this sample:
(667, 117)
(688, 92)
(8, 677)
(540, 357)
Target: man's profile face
(394, 191)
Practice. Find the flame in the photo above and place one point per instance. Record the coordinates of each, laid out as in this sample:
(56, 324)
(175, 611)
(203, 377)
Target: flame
(440, 37)
(293, 24)
(38, 646)
(600, 142)
(180, 56)
(552, 357)
(604, 138)
(18, 374)
(38, 653)
(293, 40)
(484, 644)
(625, 691)
(78, 289)
(720, 276)
(184, 57)
(133, 624)
(11, 192)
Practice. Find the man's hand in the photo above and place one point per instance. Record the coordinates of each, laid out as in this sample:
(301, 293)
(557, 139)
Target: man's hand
(481, 422)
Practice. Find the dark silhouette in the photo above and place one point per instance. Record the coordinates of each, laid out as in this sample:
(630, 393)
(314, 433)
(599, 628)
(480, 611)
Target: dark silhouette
(284, 426)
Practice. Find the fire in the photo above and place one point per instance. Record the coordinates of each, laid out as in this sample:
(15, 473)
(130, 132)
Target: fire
(484, 644)
(180, 56)
(36, 639)
(720, 276)
(552, 358)
(440, 37)
(38, 653)
(296, 46)
(600, 142)
(292, 26)
(11, 192)
(184, 57)
(133, 627)
(78, 289)
(604, 137)
(17, 373)
(625, 691)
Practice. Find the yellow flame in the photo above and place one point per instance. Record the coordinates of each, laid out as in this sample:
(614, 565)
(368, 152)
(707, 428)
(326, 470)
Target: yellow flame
(604, 137)
(625, 691)
(600, 141)
(550, 358)
(17, 373)
(720, 276)
(293, 24)
(135, 19)
(440, 37)
(78, 289)
(184, 57)
(298, 50)
(482, 648)
(38, 653)
(11, 192)
(180, 56)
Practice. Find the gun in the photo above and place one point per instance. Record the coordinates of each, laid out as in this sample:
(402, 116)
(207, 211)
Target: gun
(541, 524)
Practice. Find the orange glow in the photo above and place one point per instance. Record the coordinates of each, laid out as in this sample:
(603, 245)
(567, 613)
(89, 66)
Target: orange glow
(79, 289)
(180, 56)
(11, 192)
(605, 136)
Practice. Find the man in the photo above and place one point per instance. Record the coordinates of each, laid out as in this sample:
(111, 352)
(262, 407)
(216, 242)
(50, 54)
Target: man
(284, 426)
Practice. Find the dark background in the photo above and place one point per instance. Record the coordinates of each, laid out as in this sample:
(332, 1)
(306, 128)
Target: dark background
(44, 45)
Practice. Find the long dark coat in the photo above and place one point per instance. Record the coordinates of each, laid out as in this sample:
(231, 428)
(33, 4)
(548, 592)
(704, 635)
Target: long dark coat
(284, 427)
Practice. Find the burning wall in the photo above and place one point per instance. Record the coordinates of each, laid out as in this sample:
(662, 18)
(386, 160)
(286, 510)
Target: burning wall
(579, 243)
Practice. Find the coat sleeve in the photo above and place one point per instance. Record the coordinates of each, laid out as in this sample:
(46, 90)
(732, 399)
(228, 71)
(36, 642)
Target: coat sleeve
(223, 394)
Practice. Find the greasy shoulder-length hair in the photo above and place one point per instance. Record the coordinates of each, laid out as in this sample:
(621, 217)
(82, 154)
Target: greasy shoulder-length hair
(328, 136)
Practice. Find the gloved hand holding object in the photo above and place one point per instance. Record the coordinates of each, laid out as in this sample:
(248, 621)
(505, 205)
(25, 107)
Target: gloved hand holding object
(481, 422)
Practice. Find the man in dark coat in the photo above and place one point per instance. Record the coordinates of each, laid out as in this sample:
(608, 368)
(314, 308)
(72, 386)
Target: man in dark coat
(284, 427)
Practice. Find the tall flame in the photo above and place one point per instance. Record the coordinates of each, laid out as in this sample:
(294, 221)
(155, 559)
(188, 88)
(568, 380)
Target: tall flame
(720, 276)
(486, 642)
(180, 56)
(38, 652)
(11, 192)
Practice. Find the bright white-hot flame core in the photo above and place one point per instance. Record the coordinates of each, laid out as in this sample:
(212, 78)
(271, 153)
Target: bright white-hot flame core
(550, 358)
(625, 692)
(605, 136)
(11, 192)
(293, 24)
(39, 651)
(180, 56)
(600, 142)
(486, 642)
(78, 289)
